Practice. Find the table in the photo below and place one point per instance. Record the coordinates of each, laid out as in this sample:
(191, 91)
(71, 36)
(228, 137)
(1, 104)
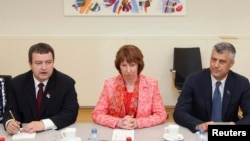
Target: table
(154, 133)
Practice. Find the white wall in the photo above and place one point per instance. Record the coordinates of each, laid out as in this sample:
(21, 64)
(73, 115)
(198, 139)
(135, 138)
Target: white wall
(90, 59)
(86, 46)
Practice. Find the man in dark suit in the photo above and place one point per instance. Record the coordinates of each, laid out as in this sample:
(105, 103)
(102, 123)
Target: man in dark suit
(195, 103)
(59, 105)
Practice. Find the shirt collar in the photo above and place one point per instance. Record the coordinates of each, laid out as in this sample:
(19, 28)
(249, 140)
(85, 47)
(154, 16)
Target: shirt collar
(223, 81)
(37, 82)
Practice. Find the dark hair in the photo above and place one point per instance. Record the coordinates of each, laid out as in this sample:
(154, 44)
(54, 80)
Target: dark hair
(131, 54)
(42, 48)
(225, 46)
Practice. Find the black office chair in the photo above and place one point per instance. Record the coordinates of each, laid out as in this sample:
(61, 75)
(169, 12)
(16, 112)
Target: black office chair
(185, 62)
(5, 81)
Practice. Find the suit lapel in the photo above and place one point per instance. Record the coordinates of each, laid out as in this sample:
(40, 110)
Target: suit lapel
(208, 96)
(207, 91)
(227, 94)
(49, 91)
(30, 93)
(143, 87)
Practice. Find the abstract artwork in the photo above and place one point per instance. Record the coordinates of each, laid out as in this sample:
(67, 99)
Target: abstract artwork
(124, 7)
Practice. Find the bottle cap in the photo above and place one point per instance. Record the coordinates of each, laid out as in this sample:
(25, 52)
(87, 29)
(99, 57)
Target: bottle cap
(94, 130)
(128, 139)
(202, 132)
(2, 138)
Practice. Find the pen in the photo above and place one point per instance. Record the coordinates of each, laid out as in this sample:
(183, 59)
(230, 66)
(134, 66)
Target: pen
(12, 115)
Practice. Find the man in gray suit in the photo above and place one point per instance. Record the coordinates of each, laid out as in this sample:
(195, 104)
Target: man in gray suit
(59, 105)
(195, 103)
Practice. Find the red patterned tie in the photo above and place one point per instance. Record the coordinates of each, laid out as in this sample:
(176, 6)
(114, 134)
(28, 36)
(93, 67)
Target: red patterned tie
(39, 99)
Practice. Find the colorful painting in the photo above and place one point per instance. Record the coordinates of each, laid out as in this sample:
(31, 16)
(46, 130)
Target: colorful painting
(124, 7)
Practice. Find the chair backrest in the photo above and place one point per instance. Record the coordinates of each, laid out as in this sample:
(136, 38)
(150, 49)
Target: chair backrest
(185, 62)
(5, 81)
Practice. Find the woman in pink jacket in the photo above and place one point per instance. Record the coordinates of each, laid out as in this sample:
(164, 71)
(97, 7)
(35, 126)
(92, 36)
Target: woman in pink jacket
(130, 100)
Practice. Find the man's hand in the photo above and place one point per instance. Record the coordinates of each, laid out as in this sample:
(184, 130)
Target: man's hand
(13, 127)
(204, 126)
(33, 126)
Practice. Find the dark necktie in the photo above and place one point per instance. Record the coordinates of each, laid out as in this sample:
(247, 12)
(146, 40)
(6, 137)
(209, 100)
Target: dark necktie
(39, 99)
(217, 107)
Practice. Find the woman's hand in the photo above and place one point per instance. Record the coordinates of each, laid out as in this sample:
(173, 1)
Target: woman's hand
(128, 122)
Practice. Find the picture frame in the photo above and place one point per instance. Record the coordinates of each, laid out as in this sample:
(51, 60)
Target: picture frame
(124, 7)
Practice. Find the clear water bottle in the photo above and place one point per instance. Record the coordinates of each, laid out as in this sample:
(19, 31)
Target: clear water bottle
(202, 135)
(93, 135)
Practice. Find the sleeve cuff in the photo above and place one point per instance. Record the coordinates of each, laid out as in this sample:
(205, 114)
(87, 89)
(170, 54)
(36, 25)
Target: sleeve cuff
(48, 124)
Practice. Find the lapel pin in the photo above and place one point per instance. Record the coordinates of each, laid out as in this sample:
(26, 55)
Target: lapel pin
(48, 95)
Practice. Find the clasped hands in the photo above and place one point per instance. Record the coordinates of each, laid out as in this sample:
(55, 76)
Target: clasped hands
(128, 122)
(14, 127)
